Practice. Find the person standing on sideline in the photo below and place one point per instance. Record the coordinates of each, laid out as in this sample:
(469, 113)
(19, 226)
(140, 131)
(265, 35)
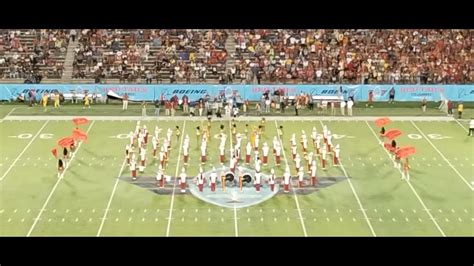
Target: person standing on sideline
(370, 99)
(460, 109)
(350, 103)
(56, 100)
(185, 100)
(125, 102)
(450, 106)
(471, 127)
(143, 108)
(423, 105)
(157, 107)
(391, 95)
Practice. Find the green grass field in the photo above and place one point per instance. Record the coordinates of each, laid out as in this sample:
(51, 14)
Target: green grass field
(90, 200)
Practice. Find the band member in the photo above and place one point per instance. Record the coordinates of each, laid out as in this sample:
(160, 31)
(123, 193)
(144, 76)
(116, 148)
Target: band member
(293, 152)
(238, 139)
(275, 142)
(297, 163)
(382, 135)
(65, 154)
(72, 147)
(222, 154)
(203, 153)
(178, 133)
(213, 179)
(132, 138)
(318, 145)
(271, 180)
(237, 152)
(277, 154)
(286, 180)
(154, 144)
(198, 135)
(257, 141)
(309, 161)
(300, 178)
(157, 133)
(60, 167)
(160, 178)
(314, 135)
(133, 168)
(145, 135)
(248, 151)
(313, 174)
(257, 181)
(406, 168)
(127, 153)
(323, 156)
(182, 180)
(162, 157)
(335, 156)
(186, 153)
(293, 140)
(143, 156)
(304, 143)
(265, 149)
(223, 180)
(258, 164)
(280, 132)
(200, 180)
(325, 133)
(329, 141)
(233, 164)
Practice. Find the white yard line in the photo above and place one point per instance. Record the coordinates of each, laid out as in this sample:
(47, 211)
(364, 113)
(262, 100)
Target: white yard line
(56, 185)
(240, 119)
(24, 150)
(355, 194)
(236, 228)
(434, 147)
(11, 111)
(292, 187)
(409, 184)
(459, 123)
(180, 147)
(111, 197)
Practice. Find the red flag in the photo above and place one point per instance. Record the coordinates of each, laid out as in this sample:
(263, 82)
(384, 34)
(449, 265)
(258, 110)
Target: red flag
(382, 121)
(406, 151)
(55, 152)
(80, 121)
(66, 142)
(78, 134)
(392, 133)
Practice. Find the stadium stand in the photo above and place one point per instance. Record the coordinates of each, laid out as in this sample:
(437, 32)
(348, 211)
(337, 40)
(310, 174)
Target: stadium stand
(441, 56)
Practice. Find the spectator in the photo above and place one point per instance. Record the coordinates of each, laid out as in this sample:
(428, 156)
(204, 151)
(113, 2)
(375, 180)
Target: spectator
(72, 35)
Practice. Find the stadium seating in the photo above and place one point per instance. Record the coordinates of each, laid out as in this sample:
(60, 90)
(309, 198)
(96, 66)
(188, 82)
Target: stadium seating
(441, 56)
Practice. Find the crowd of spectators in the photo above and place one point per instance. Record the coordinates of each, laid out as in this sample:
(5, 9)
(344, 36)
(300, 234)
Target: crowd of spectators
(322, 56)
(150, 55)
(32, 54)
(354, 56)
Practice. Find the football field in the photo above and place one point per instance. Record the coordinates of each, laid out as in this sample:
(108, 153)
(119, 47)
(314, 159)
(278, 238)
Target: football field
(95, 197)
